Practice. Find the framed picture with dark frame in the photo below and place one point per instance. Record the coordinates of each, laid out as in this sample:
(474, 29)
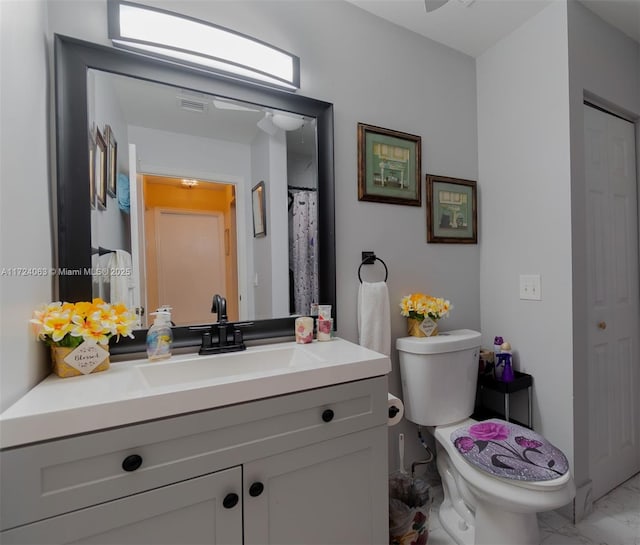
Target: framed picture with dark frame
(452, 215)
(258, 202)
(389, 166)
(100, 170)
(112, 160)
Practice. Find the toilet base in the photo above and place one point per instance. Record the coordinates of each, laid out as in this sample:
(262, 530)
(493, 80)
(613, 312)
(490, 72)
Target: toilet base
(470, 522)
(494, 526)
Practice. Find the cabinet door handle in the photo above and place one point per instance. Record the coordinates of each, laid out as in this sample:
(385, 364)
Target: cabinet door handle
(602, 325)
(230, 500)
(132, 462)
(256, 489)
(327, 415)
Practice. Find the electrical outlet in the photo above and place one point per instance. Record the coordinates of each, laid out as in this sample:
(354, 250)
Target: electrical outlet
(530, 288)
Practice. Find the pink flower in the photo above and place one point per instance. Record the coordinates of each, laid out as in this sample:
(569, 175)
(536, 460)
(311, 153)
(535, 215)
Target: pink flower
(525, 442)
(464, 444)
(489, 430)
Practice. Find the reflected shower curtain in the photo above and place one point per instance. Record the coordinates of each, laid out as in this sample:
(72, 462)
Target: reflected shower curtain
(304, 251)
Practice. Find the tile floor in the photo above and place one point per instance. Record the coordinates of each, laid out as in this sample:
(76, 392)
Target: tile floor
(615, 520)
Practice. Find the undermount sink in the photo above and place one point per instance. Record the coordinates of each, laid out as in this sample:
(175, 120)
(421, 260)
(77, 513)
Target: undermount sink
(254, 362)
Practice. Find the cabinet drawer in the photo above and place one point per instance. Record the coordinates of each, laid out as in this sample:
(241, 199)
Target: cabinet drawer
(54, 477)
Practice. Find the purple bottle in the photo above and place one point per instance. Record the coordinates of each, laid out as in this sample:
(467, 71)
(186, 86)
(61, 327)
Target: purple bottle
(507, 371)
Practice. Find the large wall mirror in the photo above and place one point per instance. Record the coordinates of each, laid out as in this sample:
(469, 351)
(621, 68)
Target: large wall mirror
(169, 215)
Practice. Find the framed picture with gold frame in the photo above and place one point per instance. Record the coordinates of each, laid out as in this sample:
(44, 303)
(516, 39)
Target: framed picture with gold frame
(389, 166)
(452, 215)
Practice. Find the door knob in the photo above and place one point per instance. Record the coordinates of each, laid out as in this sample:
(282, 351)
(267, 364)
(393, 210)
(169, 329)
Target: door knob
(602, 325)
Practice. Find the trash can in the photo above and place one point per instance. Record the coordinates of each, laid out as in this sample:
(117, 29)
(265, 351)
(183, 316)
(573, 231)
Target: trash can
(409, 507)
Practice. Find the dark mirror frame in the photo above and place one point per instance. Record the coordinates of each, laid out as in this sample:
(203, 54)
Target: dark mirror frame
(73, 58)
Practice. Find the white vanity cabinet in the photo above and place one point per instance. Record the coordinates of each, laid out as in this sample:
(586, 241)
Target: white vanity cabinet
(308, 467)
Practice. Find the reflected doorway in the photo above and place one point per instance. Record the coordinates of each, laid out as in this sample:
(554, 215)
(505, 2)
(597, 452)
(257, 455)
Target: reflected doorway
(191, 241)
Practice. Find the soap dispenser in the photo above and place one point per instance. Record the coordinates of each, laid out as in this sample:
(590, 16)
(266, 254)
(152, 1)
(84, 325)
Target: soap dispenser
(160, 335)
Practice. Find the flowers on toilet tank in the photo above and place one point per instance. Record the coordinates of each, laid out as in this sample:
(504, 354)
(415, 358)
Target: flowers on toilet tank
(70, 324)
(420, 306)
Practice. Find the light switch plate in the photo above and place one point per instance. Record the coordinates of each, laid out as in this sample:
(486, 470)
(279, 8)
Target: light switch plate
(530, 288)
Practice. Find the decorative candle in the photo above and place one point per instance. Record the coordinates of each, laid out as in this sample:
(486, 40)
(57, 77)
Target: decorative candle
(304, 330)
(325, 329)
(324, 312)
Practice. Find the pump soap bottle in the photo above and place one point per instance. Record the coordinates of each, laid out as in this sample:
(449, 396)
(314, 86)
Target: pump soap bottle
(160, 336)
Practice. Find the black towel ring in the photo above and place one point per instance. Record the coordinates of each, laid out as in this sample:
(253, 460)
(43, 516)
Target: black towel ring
(370, 261)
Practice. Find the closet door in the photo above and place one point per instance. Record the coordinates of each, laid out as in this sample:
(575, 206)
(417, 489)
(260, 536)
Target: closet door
(614, 310)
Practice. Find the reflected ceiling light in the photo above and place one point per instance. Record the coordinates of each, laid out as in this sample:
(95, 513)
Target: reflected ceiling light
(287, 122)
(189, 183)
(266, 124)
(190, 41)
(272, 122)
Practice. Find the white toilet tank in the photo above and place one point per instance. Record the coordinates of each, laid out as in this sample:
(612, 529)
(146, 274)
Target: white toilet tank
(439, 376)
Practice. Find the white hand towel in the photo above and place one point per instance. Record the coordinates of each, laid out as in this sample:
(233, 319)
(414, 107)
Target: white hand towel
(121, 279)
(374, 321)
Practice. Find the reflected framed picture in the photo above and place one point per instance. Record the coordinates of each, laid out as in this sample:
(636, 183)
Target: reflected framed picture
(452, 215)
(112, 160)
(92, 170)
(100, 170)
(258, 202)
(389, 166)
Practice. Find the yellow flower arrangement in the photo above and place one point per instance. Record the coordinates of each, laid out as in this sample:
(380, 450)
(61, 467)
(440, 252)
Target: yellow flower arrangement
(418, 306)
(70, 324)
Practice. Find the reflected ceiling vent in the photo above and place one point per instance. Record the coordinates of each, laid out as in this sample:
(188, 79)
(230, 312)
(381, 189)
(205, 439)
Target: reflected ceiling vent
(193, 102)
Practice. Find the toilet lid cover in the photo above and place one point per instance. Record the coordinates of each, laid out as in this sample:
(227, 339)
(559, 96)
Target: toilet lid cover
(509, 451)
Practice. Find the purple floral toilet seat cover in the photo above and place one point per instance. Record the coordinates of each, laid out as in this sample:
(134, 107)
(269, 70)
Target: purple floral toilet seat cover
(509, 451)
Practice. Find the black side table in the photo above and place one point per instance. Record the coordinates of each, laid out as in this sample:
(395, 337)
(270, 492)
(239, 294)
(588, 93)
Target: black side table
(521, 381)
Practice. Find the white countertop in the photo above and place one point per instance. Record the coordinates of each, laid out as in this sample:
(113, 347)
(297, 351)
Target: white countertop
(139, 390)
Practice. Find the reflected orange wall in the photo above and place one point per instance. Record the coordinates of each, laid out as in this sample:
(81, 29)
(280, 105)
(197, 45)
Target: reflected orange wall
(161, 192)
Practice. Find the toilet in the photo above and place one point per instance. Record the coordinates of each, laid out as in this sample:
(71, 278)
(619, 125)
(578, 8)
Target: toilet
(496, 475)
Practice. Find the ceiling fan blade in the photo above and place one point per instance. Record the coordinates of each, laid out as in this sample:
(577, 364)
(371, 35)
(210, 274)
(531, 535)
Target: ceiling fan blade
(431, 5)
(226, 105)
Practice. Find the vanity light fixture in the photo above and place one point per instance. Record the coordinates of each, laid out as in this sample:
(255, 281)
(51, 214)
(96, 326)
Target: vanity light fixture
(198, 43)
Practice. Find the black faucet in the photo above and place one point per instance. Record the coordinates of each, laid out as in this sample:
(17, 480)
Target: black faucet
(221, 328)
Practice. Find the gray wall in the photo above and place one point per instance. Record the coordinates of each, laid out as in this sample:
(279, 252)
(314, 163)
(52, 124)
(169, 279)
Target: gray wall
(523, 135)
(372, 72)
(25, 217)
